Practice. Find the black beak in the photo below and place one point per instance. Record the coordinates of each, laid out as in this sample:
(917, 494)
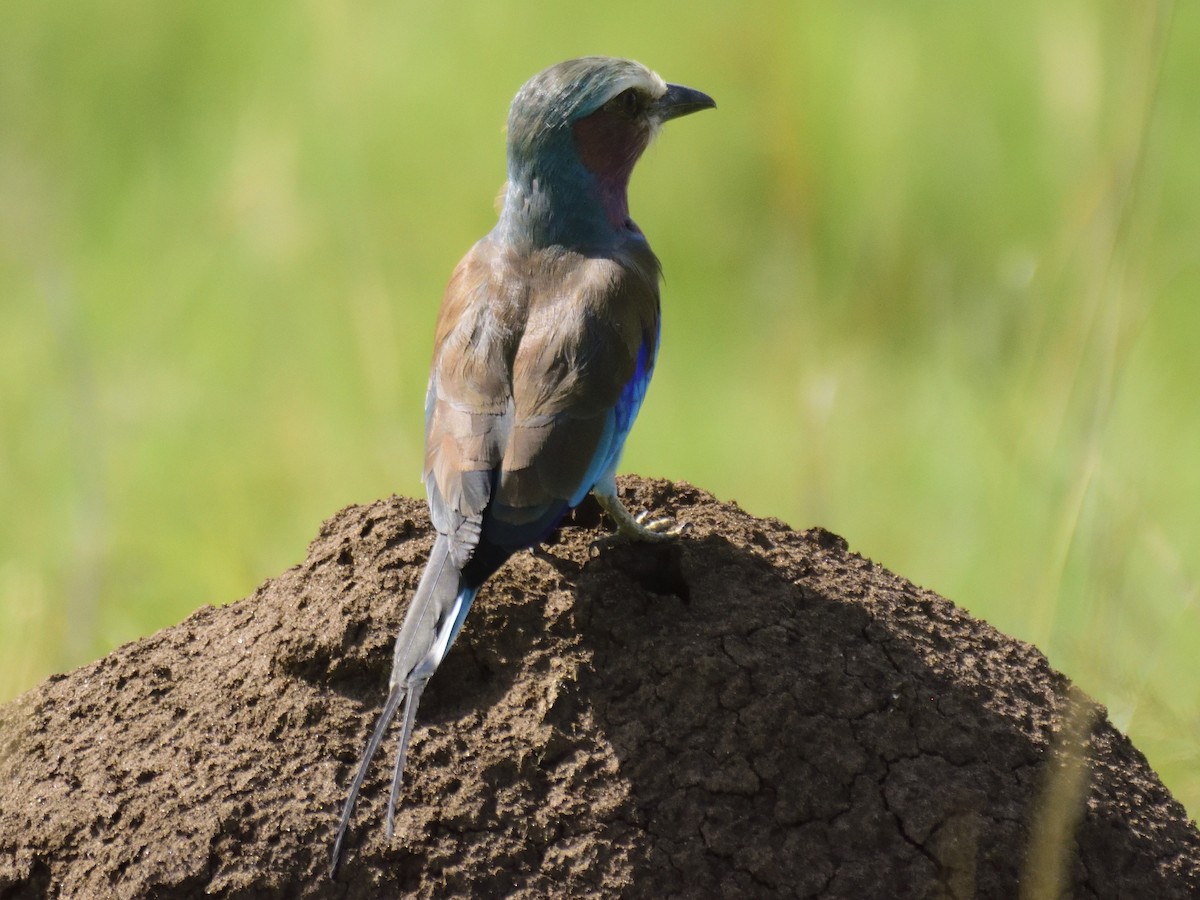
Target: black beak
(680, 101)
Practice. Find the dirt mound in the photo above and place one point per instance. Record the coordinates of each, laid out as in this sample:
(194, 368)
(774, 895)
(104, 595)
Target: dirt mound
(751, 711)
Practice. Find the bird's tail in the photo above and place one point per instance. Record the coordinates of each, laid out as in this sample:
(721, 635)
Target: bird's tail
(430, 626)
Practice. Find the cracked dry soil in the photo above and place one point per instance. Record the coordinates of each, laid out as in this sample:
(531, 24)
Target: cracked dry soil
(749, 712)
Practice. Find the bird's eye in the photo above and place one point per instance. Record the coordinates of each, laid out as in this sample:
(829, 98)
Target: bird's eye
(628, 103)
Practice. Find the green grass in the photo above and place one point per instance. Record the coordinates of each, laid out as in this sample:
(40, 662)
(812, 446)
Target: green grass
(932, 279)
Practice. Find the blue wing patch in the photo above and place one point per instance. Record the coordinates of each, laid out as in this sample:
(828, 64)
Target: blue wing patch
(620, 420)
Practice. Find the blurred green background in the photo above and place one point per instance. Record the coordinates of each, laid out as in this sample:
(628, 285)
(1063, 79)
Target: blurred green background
(931, 281)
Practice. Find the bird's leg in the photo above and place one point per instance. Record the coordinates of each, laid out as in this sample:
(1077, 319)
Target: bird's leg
(640, 527)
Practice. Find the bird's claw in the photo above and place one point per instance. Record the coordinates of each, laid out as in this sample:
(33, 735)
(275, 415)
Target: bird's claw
(640, 527)
(645, 528)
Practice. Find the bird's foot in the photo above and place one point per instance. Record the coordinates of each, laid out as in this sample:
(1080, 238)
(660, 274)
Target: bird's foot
(640, 527)
(643, 527)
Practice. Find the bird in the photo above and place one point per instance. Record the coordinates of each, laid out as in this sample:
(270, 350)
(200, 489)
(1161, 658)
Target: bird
(543, 349)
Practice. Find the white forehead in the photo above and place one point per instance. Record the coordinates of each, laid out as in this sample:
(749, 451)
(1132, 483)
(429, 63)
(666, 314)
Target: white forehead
(640, 79)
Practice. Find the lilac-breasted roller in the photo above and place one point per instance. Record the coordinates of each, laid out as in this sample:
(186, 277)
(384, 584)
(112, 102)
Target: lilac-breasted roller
(544, 346)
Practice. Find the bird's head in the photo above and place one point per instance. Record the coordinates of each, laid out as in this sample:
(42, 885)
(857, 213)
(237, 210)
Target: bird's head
(575, 132)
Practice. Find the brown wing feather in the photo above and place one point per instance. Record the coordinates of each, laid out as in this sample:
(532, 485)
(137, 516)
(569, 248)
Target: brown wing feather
(532, 352)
